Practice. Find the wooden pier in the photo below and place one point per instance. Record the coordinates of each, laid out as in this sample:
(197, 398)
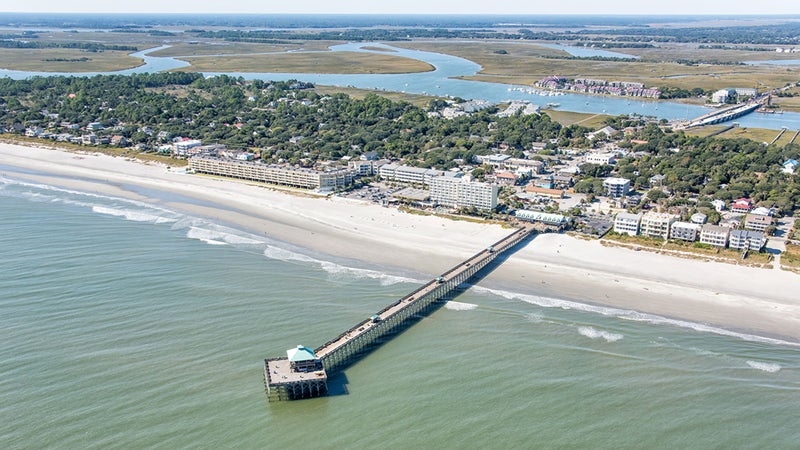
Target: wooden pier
(304, 374)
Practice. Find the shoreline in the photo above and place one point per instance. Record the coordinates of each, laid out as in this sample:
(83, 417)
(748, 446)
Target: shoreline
(549, 267)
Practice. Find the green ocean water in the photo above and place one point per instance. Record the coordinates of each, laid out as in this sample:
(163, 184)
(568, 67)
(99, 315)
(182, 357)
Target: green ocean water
(126, 325)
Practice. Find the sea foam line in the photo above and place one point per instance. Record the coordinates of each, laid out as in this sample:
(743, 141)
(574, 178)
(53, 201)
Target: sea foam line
(335, 269)
(627, 314)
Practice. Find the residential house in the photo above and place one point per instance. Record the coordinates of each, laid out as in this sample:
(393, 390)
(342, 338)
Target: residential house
(119, 141)
(790, 166)
(657, 225)
(627, 223)
(742, 205)
(714, 235)
(685, 231)
(699, 218)
(752, 240)
(757, 222)
(607, 131)
(719, 205)
(505, 178)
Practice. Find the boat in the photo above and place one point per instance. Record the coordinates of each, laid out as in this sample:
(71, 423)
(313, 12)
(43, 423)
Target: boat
(553, 105)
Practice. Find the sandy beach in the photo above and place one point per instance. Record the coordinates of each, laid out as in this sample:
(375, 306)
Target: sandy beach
(548, 270)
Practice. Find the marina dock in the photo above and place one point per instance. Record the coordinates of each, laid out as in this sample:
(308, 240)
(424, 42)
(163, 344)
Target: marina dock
(303, 373)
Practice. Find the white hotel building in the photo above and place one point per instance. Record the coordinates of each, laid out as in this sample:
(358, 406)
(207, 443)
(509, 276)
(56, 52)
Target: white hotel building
(407, 174)
(462, 193)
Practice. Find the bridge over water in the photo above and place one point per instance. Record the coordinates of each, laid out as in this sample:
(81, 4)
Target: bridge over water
(729, 113)
(303, 373)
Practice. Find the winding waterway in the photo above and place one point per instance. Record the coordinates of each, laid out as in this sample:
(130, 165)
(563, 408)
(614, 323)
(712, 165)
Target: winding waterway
(443, 81)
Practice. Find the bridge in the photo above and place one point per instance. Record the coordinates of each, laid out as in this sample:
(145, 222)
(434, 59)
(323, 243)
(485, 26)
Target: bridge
(729, 113)
(303, 373)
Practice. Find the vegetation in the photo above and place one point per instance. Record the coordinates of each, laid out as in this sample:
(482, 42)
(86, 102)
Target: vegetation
(66, 60)
(316, 62)
(291, 122)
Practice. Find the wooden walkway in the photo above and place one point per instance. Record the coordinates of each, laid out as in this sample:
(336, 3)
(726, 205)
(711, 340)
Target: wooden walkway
(282, 383)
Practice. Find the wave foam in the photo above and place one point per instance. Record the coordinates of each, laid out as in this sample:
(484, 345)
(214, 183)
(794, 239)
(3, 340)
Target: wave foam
(627, 314)
(133, 215)
(459, 306)
(766, 367)
(591, 333)
(334, 269)
(220, 236)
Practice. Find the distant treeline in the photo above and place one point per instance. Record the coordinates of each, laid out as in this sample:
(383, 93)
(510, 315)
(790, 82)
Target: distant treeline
(612, 44)
(87, 46)
(782, 34)
(305, 21)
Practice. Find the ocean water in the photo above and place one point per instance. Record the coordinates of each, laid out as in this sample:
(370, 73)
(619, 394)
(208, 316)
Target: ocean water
(127, 325)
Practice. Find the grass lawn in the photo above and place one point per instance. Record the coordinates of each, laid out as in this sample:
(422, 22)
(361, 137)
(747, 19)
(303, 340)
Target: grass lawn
(415, 99)
(65, 60)
(567, 118)
(309, 62)
(791, 257)
(755, 134)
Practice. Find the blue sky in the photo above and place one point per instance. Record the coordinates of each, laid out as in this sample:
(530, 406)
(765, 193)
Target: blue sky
(682, 7)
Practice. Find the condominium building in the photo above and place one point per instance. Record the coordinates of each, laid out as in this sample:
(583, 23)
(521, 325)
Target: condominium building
(714, 235)
(686, 231)
(407, 174)
(741, 239)
(757, 222)
(656, 225)
(616, 187)
(329, 180)
(600, 158)
(461, 193)
(627, 223)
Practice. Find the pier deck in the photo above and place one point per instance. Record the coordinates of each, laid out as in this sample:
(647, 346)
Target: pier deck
(282, 383)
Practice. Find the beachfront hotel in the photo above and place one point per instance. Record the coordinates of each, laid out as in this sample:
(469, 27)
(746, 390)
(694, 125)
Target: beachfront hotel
(326, 181)
(462, 193)
(410, 174)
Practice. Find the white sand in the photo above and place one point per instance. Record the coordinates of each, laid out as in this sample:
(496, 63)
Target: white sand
(758, 301)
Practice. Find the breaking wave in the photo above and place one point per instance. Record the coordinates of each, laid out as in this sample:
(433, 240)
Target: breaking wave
(458, 306)
(335, 269)
(591, 333)
(627, 314)
(766, 367)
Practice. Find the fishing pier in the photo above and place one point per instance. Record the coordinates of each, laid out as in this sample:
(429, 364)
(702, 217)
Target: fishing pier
(303, 373)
